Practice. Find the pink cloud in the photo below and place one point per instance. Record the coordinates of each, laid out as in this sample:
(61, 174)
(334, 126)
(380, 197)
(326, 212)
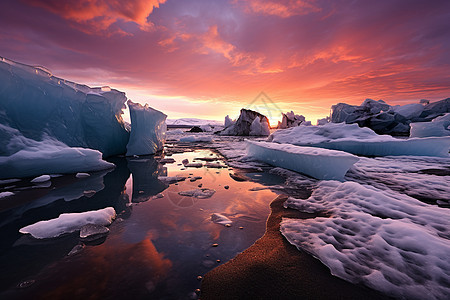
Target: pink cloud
(283, 9)
(97, 16)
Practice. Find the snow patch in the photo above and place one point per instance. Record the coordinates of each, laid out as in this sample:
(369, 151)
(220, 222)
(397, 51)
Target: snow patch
(390, 242)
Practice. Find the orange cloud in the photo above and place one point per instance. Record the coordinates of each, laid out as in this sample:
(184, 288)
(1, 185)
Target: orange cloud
(97, 16)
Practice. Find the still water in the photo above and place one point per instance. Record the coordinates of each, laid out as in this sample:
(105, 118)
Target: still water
(157, 248)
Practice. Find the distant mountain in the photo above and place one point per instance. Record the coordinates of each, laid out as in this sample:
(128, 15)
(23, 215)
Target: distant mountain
(189, 122)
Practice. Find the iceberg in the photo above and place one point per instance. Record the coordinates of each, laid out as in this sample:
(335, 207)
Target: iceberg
(259, 127)
(246, 125)
(439, 126)
(290, 119)
(70, 222)
(37, 103)
(228, 121)
(360, 141)
(315, 162)
(190, 122)
(387, 241)
(148, 130)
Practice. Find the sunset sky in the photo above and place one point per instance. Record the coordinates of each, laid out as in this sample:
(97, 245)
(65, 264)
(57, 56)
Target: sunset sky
(207, 59)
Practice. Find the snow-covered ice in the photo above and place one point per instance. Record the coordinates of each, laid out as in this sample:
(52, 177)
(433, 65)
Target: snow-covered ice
(82, 175)
(70, 222)
(148, 130)
(42, 178)
(388, 241)
(48, 156)
(315, 162)
(439, 126)
(6, 194)
(360, 140)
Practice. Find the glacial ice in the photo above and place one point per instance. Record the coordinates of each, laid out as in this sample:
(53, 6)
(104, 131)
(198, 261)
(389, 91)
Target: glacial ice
(388, 241)
(259, 128)
(42, 178)
(228, 121)
(70, 222)
(198, 193)
(360, 140)
(290, 119)
(38, 104)
(33, 158)
(315, 162)
(386, 119)
(6, 194)
(148, 130)
(439, 126)
(245, 124)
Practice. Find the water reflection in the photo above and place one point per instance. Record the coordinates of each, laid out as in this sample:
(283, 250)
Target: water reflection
(156, 248)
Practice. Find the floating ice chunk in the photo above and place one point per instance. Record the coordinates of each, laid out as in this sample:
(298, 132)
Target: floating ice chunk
(82, 175)
(50, 156)
(361, 141)
(42, 178)
(193, 165)
(220, 219)
(67, 223)
(170, 180)
(6, 194)
(91, 232)
(439, 126)
(215, 165)
(168, 160)
(315, 162)
(148, 130)
(198, 193)
(196, 139)
(390, 242)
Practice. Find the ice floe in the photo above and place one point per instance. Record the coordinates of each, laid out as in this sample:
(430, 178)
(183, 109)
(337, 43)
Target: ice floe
(198, 193)
(361, 141)
(220, 219)
(69, 222)
(388, 241)
(315, 162)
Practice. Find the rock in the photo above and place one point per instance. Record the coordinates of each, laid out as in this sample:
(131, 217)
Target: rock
(195, 129)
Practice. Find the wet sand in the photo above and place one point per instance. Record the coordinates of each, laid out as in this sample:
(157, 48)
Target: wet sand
(272, 268)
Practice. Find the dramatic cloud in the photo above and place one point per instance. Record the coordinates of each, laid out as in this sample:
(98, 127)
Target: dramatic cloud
(95, 16)
(210, 58)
